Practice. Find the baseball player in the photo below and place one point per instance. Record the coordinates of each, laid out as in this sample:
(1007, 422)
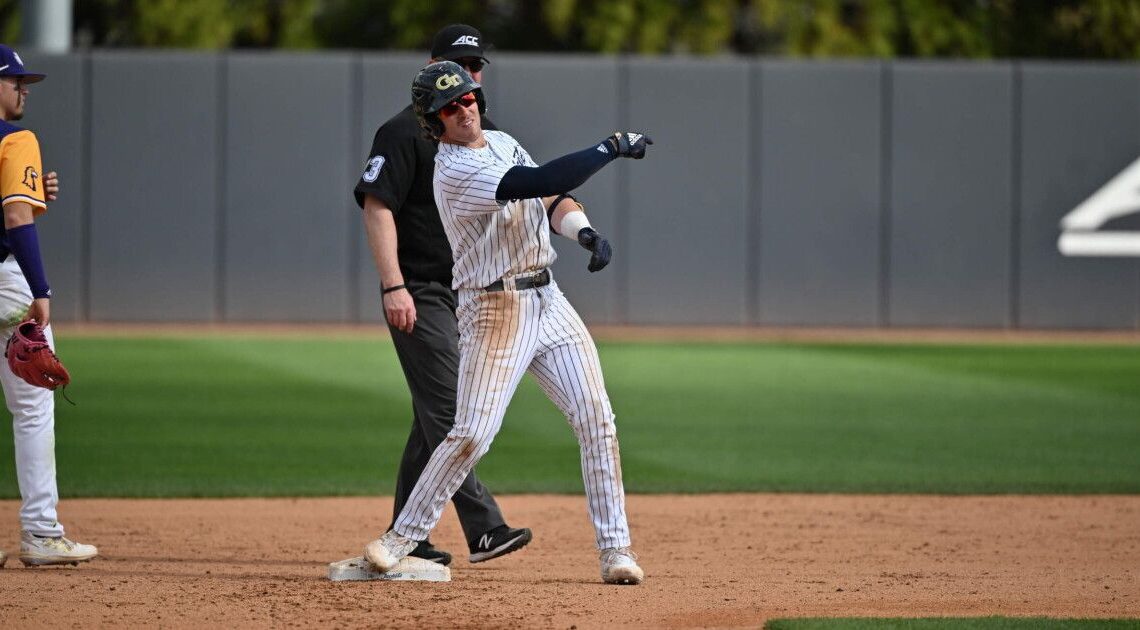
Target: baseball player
(413, 259)
(498, 208)
(24, 293)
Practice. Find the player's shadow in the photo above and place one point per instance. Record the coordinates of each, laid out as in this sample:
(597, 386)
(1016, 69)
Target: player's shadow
(265, 562)
(319, 575)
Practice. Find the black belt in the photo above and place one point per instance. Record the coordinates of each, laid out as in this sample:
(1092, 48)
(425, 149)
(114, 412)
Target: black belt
(539, 279)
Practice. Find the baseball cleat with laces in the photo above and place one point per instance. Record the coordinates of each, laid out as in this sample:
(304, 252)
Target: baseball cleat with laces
(37, 551)
(619, 566)
(387, 551)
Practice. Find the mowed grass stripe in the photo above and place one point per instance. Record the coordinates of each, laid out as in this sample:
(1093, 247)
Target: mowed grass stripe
(279, 417)
(884, 418)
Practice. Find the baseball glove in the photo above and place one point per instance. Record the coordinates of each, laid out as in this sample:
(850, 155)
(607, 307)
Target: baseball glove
(32, 359)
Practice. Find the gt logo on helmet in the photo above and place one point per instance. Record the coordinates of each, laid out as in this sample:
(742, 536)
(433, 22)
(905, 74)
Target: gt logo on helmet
(447, 81)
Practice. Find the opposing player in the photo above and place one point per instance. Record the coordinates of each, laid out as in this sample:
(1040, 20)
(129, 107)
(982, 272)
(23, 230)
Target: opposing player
(497, 208)
(413, 259)
(24, 293)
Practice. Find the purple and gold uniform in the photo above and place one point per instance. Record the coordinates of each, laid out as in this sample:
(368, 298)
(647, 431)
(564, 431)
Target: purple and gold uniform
(24, 292)
(20, 171)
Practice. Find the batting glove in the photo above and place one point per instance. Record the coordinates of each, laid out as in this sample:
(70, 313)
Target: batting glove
(628, 144)
(598, 245)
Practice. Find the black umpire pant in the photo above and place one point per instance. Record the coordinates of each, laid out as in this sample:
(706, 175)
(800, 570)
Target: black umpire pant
(430, 358)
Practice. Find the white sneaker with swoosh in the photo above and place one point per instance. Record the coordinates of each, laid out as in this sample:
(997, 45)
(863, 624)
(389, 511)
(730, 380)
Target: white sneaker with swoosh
(37, 551)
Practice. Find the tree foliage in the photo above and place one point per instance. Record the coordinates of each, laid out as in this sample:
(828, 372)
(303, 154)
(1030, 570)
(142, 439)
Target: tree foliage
(1104, 29)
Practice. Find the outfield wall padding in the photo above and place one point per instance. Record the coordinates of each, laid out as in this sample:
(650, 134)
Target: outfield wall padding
(216, 187)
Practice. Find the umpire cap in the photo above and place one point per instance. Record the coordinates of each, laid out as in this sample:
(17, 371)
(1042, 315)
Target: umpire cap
(12, 66)
(436, 85)
(456, 42)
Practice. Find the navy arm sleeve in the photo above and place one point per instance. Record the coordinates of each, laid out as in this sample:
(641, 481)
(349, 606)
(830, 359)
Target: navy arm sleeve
(555, 177)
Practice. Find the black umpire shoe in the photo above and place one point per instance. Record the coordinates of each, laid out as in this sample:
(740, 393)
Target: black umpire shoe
(498, 542)
(427, 551)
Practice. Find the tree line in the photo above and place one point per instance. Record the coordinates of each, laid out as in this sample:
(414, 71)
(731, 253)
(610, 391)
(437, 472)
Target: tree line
(1080, 29)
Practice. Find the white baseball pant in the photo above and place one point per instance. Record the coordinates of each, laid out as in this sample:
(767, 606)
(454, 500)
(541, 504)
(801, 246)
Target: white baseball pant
(33, 416)
(503, 335)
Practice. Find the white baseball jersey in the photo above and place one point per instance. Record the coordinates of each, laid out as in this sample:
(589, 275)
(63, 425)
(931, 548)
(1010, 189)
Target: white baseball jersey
(503, 334)
(490, 239)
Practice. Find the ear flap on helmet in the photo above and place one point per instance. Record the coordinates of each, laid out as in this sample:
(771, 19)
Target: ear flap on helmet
(482, 101)
(431, 126)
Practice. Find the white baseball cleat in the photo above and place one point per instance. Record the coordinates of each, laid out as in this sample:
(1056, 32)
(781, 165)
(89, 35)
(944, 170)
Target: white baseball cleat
(37, 551)
(388, 550)
(3, 558)
(619, 566)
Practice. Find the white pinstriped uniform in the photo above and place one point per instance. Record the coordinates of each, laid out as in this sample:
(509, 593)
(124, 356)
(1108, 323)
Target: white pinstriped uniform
(504, 334)
(489, 240)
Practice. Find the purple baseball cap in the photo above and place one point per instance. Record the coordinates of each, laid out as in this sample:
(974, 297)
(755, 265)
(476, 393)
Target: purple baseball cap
(12, 66)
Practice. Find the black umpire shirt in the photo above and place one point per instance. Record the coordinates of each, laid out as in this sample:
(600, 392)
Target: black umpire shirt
(399, 173)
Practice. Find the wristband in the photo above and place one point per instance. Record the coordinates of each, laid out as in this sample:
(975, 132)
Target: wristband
(391, 289)
(573, 223)
(25, 247)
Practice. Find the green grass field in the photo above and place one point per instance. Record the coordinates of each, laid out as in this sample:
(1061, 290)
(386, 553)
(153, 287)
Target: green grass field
(953, 623)
(224, 416)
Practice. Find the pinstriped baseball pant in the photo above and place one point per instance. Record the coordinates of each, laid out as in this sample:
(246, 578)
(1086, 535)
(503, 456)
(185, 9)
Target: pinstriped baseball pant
(503, 335)
(429, 357)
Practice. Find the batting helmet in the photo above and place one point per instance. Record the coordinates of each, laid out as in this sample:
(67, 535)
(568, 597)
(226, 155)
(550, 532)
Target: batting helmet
(436, 85)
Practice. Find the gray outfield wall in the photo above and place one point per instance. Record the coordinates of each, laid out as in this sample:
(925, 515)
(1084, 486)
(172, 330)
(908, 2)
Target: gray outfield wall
(217, 187)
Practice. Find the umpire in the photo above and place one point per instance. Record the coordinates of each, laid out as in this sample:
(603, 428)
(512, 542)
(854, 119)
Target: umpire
(413, 258)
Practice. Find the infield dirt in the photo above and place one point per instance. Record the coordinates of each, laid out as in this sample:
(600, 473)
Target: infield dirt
(728, 560)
